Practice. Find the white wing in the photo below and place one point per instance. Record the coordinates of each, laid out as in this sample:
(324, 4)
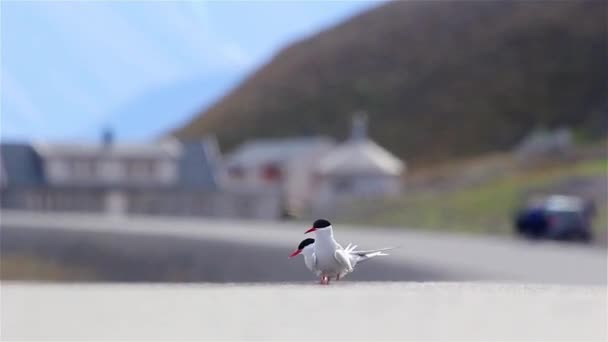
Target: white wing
(311, 263)
(343, 259)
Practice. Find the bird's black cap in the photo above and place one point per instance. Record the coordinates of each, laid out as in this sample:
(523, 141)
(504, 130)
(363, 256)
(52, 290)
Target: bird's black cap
(321, 224)
(305, 243)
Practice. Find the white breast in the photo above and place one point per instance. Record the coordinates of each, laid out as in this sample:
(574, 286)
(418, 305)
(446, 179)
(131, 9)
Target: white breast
(325, 254)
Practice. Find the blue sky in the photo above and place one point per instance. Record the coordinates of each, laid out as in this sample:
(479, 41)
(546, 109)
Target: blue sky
(68, 68)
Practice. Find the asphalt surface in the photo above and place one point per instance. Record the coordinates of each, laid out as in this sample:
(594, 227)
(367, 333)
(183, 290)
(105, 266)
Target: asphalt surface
(432, 256)
(347, 311)
(498, 288)
(114, 257)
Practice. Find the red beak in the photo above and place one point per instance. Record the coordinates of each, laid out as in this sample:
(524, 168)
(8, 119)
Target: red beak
(296, 252)
(310, 230)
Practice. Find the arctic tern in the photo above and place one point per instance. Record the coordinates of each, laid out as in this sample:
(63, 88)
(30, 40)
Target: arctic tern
(326, 258)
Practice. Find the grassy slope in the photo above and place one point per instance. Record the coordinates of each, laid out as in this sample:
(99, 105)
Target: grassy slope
(439, 79)
(487, 206)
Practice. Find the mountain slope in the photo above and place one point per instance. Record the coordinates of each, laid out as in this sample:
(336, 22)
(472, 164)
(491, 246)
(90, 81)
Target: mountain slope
(439, 79)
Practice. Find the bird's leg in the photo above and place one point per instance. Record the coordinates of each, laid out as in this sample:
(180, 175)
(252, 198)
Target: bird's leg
(338, 277)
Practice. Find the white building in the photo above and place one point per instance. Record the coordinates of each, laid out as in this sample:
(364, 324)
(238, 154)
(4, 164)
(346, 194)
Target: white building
(284, 166)
(117, 165)
(544, 143)
(358, 168)
(167, 177)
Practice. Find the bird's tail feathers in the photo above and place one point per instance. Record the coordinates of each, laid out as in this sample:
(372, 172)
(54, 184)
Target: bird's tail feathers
(366, 255)
(373, 251)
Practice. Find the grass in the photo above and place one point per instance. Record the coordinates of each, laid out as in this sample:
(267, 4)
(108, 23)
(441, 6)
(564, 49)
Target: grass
(30, 267)
(487, 207)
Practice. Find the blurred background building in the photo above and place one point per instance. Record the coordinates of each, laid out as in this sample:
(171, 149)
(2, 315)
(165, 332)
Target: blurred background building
(284, 167)
(358, 168)
(265, 178)
(167, 177)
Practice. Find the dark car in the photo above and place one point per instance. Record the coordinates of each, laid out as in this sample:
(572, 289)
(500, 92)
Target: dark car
(532, 223)
(568, 225)
(558, 218)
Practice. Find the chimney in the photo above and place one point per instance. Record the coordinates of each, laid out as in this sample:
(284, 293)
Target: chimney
(107, 138)
(359, 126)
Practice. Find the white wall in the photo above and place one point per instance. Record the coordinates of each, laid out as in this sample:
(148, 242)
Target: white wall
(297, 184)
(300, 187)
(360, 186)
(110, 170)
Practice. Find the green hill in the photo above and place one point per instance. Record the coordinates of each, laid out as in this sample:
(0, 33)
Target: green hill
(439, 79)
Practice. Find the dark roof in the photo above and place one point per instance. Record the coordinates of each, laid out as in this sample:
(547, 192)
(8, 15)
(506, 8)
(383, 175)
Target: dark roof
(198, 164)
(20, 165)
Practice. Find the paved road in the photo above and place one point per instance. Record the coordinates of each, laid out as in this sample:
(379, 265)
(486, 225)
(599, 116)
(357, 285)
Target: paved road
(348, 311)
(467, 257)
(527, 303)
(115, 257)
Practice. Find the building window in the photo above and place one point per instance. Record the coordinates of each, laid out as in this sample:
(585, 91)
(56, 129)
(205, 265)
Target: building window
(236, 172)
(343, 184)
(316, 180)
(271, 173)
(141, 169)
(83, 168)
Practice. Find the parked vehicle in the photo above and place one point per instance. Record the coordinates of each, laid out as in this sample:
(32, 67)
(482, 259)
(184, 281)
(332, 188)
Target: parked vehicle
(557, 218)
